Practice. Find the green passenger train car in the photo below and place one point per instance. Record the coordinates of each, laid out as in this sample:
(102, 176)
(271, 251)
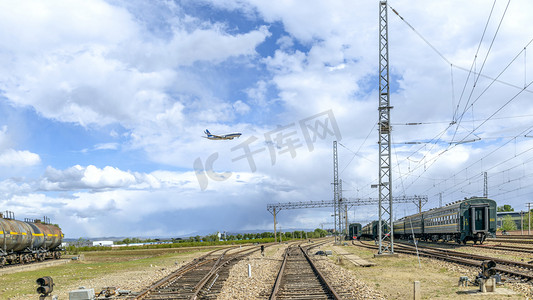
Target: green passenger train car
(370, 230)
(354, 231)
(472, 219)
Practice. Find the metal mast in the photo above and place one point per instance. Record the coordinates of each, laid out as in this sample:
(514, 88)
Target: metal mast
(336, 189)
(386, 242)
(341, 209)
(485, 185)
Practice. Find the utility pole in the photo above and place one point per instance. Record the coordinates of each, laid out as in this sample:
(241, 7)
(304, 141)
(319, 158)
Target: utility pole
(342, 215)
(440, 199)
(275, 235)
(346, 218)
(336, 188)
(529, 218)
(522, 222)
(385, 178)
(485, 185)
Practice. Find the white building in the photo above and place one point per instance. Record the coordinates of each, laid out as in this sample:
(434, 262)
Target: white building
(103, 243)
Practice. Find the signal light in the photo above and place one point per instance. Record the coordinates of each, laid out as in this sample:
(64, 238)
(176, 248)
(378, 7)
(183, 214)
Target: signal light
(488, 268)
(46, 285)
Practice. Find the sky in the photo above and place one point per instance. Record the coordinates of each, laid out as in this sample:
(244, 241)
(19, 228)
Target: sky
(103, 105)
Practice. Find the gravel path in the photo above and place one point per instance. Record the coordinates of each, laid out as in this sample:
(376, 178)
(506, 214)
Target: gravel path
(264, 271)
(344, 280)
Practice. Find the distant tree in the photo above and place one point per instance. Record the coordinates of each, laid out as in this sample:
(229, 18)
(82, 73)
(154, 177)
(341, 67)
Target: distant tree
(239, 236)
(321, 232)
(197, 238)
(508, 223)
(288, 235)
(505, 207)
(211, 237)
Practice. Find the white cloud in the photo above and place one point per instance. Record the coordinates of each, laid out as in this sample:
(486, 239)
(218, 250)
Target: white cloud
(241, 107)
(96, 65)
(14, 158)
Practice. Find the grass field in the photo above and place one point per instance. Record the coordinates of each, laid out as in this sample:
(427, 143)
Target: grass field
(95, 265)
(394, 276)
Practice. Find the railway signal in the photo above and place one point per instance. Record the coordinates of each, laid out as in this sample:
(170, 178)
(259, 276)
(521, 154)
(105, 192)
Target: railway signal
(488, 268)
(46, 286)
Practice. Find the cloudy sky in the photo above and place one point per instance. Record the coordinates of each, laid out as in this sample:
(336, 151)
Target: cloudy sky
(103, 105)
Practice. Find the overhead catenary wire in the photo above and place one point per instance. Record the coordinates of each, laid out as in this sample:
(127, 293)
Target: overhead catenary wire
(455, 65)
(459, 120)
(486, 156)
(522, 89)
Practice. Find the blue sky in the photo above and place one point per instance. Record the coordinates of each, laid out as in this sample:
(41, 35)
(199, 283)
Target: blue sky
(103, 105)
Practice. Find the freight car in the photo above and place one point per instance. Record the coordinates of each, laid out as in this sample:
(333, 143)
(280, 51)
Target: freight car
(354, 231)
(472, 219)
(371, 230)
(31, 240)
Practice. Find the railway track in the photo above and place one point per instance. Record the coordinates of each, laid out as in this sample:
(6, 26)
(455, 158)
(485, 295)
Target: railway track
(512, 269)
(523, 237)
(299, 278)
(507, 248)
(511, 240)
(202, 278)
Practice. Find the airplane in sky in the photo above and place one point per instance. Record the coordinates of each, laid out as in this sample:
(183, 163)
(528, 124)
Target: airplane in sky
(230, 136)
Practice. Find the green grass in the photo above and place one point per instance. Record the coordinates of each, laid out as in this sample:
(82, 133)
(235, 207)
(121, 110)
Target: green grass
(96, 264)
(394, 277)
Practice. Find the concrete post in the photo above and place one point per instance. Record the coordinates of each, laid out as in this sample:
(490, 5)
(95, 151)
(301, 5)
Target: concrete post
(417, 293)
(522, 222)
(275, 235)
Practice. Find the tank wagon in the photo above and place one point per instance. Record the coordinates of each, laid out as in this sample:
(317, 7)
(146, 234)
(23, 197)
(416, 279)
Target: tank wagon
(354, 231)
(31, 240)
(472, 219)
(370, 230)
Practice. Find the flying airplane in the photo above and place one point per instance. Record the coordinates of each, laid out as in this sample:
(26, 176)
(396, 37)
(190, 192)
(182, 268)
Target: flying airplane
(230, 136)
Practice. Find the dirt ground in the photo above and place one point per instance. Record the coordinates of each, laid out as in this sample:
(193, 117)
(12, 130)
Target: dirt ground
(395, 277)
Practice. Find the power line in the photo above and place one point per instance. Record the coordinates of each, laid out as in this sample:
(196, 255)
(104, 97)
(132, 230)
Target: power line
(452, 64)
(447, 122)
(474, 62)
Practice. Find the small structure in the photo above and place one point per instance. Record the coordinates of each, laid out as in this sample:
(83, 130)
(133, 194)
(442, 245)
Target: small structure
(103, 243)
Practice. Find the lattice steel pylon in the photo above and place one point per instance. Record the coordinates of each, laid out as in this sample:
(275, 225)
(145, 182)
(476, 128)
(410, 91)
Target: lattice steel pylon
(386, 242)
(336, 196)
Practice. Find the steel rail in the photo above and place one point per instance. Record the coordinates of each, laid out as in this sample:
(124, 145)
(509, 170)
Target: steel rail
(474, 260)
(475, 256)
(501, 237)
(512, 241)
(279, 276)
(216, 269)
(184, 269)
(451, 257)
(506, 248)
(320, 275)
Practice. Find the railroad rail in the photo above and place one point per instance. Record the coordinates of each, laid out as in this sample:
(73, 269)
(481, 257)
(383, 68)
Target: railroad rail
(512, 269)
(507, 248)
(197, 279)
(524, 237)
(299, 278)
(511, 240)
